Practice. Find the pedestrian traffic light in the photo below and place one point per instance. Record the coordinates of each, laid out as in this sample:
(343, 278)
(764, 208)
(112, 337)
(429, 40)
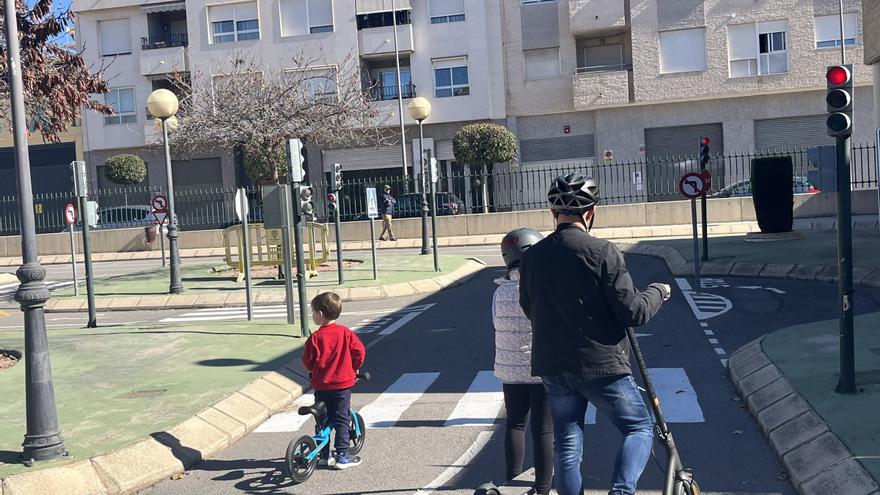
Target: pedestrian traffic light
(337, 177)
(304, 201)
(332, 202)
(839, 100)
(79, 178)
(296, 171)
(704, 152)
(433, 170)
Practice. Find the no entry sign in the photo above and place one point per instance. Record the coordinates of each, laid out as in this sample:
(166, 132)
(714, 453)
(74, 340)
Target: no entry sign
(70, 214)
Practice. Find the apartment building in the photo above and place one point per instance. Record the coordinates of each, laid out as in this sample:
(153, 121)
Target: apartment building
(450, 52)
(871, 9)
(648, 78)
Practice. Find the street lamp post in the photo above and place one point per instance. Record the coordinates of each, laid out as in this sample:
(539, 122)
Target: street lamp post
(419, 109)
(163, 105)
(42, 439)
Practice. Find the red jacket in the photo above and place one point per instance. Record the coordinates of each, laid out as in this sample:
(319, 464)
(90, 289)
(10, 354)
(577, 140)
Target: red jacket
(333, 355)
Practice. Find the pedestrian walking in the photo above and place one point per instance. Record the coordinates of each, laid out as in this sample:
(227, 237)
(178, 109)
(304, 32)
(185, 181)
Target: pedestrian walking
(524, 397)
(577, 293)
(388, 203)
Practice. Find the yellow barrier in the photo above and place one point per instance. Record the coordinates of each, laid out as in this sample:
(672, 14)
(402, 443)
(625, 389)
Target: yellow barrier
(266, 247)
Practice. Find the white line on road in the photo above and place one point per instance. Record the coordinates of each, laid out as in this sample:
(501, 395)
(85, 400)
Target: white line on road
(460, 464)
(480, 405)
(720, 351)
(677, 397)
(388, 407)
(399, 323)
(290, 420)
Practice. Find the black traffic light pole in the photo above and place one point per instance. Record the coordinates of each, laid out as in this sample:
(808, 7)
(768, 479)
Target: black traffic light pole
(847, 382)
(703, 207)
(336, 220)
(303, 197)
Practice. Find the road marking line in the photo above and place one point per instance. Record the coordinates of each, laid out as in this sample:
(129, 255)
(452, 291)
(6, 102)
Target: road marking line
(480, 405)
(290, 420)
(720, 351)
(713, 341)
(677, 397)
(724, 363)
(709, 332)
(399, 323)
(704, 324)
(460, 464)
(391, 404)
(683, 284)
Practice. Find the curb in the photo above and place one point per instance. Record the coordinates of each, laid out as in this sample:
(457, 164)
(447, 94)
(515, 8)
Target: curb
(816, 460)
(149, 461)
(192, 301)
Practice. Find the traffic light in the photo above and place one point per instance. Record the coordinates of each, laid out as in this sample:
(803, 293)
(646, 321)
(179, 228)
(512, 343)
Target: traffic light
(332, 202)
(704, 152)
(337, 177)
(305, 206)
(839, 100)
(296, 154)
(80, 178)
(433, 170)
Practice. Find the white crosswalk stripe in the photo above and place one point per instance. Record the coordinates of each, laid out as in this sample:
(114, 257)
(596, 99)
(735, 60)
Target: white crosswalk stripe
(481, 403)
(678, 399)
(403, 393)
(280, 312)
(289, 420)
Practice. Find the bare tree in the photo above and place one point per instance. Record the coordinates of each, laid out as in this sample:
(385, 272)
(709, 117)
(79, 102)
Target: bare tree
(256, 107)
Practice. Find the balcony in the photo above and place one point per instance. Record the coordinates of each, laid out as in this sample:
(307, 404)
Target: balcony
(380, 41)
(157, 42)
(593, 16)
(164, 60)
(596, 87)
(386, 93)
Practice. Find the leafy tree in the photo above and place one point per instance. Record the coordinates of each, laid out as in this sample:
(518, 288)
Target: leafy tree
(126, 170)
(57, 82)
(484, 144)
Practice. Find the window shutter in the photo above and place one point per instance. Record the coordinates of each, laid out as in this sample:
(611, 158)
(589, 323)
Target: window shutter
(682, 51)
(115, 37)
(217, 13)
(828, 27)
(246, 11)
(446, 7)
(742, 42)
(293, 18)
(320, 12)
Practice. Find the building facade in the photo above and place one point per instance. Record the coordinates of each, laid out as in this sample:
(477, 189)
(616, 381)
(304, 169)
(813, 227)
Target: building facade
(648, 78)
(450, 52)
(871, 16)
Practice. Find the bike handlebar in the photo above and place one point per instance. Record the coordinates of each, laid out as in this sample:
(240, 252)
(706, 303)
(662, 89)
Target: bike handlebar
(365, 376)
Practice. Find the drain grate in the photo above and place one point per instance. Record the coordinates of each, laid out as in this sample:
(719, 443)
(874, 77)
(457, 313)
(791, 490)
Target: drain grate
(142, 394)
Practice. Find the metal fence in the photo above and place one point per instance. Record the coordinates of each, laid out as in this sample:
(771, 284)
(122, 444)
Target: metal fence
(460, 191)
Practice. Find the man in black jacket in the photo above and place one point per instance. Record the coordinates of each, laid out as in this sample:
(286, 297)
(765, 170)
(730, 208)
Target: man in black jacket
(578, 294)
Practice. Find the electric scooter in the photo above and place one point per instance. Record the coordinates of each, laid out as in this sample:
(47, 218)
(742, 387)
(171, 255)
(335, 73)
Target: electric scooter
(679, 480)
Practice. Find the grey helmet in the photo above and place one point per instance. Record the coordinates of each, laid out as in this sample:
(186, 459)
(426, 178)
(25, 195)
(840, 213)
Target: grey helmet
(573, 193)
(515, 244)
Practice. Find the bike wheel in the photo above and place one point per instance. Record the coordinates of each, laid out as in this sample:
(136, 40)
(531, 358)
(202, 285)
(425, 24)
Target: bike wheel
(357, 441)
(487, 489)
(296, 462)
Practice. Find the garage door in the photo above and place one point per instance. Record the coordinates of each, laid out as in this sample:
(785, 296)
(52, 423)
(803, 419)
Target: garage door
(662, 142)
(202, 173)
(791, 132)
(557, 148)
(50, 168)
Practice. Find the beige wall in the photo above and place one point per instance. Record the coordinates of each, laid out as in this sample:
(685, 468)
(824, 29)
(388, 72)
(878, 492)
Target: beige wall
(74, 135)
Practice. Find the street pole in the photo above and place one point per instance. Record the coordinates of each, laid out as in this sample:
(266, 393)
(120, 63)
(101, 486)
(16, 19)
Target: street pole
(42, 440)
(301, 273)
(432, 179)
(842, 34)
(703, 209)
(73, 262)
(697, 286)
(162, 242)
(373, 247)
(175, 285)
(399, 96)
(246, 252)
(338, 226)
(288, 260)
(847, 382)
(426, 249)
(87, 260)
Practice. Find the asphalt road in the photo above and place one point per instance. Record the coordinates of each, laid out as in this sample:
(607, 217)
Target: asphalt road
(437, 405)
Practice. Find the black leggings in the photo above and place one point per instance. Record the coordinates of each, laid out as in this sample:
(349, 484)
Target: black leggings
(519, 401)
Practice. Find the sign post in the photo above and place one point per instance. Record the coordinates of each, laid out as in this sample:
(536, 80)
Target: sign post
(160, 213)
(433, 193)
(81, 187)
(241, 211)
(692, 186)
(70, 216)
(373, 214)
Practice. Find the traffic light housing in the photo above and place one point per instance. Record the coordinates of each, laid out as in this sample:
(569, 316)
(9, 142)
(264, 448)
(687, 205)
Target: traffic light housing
(433, 170)
(304, 203)
(337, 177)
(296, 171)
(332, 202)
(839, 99)
(704, 152)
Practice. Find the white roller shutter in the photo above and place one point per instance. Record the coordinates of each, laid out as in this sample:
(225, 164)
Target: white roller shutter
(791, 132)
(293, 18)
(444, 150)
(320, 13)
(371, 6)
(367, 158)
(683, 51)
(682, 141)
(115, 37)
(439, 8)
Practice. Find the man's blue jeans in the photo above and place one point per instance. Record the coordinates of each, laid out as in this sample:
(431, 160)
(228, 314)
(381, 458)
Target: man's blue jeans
(619, 399)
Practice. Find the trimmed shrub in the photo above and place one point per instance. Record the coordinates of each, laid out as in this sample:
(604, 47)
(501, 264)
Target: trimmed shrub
(772, 193)
(126, 170)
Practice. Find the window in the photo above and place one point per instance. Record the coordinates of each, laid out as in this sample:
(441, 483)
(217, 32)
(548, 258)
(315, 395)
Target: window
(385, 83)
(828, 30)
(757, 49)
(318, 82)
(451, 78)
(301, 17)
(234, 22)
(115, 37)
(601, 57)
(526, 2)
(541, 64)
(122, 101)
(445, 11)
(383, 19)
(683, 51)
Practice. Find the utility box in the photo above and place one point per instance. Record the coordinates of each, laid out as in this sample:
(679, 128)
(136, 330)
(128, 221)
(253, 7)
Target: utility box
(273, 215)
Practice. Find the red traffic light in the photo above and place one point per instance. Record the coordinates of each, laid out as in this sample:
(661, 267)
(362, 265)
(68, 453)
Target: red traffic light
(704, 141)
(331, 198)
(837, 75)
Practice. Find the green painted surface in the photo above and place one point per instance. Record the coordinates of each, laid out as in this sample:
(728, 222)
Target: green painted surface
(818, 247)
(200, 279)
(116, 385)
(808, 355)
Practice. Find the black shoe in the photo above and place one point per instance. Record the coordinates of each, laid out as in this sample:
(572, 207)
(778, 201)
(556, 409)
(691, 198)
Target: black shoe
(394, 238)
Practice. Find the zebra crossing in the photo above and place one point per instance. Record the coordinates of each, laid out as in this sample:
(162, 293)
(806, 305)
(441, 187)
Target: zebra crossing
(7, 291)
(480, 405)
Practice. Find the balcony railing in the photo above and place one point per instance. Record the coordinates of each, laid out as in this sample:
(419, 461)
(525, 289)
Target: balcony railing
(383, 93)
(157, 41)
(604, 68)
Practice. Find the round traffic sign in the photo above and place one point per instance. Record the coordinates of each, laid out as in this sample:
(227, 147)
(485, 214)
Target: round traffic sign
(692, 185)
(160, 203)
(70, 214)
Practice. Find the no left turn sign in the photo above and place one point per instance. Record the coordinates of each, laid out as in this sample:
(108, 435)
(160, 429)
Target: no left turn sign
(160, 203)
(70, 214)
(692, 185)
